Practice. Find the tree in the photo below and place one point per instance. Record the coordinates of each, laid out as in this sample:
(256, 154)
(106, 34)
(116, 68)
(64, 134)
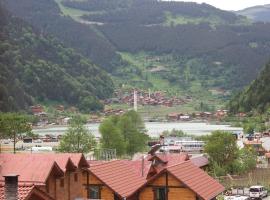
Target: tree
(77, 139)
(246, 160)
(89, 104)
(13, 125)
(174, 133)
(249, 128)
(133, 130)
(111, 136)
(222, 149)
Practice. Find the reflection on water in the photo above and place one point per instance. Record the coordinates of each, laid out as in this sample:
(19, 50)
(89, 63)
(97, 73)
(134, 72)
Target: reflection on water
(154, 129)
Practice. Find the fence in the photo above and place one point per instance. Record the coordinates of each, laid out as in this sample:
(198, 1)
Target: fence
(259, 176)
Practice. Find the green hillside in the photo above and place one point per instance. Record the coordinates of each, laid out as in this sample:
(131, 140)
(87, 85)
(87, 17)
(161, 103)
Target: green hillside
(183, 48)
(48, 18)
(38, 68)
(257, 13)
(255, 97)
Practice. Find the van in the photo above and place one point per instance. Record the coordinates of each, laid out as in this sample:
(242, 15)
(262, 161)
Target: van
(257, 192)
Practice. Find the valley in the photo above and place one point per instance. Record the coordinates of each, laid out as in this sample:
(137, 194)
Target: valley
(181, 49)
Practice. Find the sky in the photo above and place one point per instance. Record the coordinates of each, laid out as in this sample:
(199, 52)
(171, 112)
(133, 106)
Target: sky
(232, 4)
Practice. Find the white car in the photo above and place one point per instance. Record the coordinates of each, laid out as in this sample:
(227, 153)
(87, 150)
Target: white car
(257, 192)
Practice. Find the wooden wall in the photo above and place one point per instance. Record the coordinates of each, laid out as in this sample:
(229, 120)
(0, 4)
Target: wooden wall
(177, 191)
(106, 193)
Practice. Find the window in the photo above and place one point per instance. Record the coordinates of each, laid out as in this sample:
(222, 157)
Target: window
(75, 177)
(160, 193)
(94, 192)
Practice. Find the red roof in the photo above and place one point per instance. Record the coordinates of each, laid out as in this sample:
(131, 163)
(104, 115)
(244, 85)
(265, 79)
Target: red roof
(24, 191)
(116, 174)
(62, 159)
(30, 168)
(200, 161)
(196, 179)
(136, 166)
(172, 158)
(77, 158)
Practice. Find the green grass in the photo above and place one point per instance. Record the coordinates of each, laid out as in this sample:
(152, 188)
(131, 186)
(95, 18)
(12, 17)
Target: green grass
(74, 13)
(156, 112)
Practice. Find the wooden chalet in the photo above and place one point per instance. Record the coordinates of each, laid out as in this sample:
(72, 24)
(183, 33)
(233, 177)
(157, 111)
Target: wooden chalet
(157, 176)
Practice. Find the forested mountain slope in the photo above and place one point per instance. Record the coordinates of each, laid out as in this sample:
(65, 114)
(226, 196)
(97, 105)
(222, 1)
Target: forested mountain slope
(47, 16)
(256, 96)
(35, 67)
(257, 13)
(179, 47)
(189, 30)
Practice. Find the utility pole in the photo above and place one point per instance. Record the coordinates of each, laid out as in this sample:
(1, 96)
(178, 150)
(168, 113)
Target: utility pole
(135, 101)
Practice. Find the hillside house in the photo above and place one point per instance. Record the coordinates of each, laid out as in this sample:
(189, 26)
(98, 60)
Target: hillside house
(37, 109)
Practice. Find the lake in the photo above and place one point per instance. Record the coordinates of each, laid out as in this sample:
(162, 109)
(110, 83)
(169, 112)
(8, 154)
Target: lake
(154, 129)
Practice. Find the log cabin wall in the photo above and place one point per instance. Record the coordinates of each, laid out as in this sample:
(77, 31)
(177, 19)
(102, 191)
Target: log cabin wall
(105, 192)
(176, 190)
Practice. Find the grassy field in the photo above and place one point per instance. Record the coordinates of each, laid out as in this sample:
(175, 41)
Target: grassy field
(74, 13)
(156, 112)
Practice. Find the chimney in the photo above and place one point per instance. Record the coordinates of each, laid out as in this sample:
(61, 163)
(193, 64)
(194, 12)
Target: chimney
(11, 187)
(142, 166)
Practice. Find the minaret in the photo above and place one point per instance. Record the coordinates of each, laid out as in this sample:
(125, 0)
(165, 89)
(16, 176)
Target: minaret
(135, 101)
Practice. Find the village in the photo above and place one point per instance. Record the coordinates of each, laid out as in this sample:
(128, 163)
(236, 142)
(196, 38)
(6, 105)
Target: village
(60, 115)
(173, 168)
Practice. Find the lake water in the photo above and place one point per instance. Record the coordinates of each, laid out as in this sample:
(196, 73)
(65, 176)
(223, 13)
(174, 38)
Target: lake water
(154, 129)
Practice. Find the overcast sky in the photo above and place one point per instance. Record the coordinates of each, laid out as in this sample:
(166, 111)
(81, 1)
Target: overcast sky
(232, 4)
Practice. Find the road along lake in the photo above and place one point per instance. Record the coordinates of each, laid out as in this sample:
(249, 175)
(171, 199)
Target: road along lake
(154, 129)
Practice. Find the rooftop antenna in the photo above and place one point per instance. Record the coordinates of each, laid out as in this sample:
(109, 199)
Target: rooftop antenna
(135, 101)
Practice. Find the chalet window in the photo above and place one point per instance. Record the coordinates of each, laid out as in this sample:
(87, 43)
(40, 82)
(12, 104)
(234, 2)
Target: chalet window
(76, 177)
(160, 193)
(94, 192)
(62, 182)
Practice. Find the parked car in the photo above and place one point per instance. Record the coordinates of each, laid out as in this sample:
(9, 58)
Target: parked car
(257, 192)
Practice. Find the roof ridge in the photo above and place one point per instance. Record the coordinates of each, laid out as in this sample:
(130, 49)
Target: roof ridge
(104, 163)
(185, 161)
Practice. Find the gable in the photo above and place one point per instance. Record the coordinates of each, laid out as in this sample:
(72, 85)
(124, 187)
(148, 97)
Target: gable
(161, 181)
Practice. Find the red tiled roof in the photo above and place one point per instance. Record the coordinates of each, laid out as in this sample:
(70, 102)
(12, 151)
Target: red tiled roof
(136, 166)
(77, 158)
(200, 161)
(24, 191)
(42, 162)
(173, 158)
(30, 168)
(196, 179)
(116, 174)
(96, 162)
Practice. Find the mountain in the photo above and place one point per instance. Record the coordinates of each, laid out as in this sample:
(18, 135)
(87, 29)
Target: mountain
(254, 97)
(181, 48)
(229, 50)
(257, 13)
(38, 68)
(48, 18)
